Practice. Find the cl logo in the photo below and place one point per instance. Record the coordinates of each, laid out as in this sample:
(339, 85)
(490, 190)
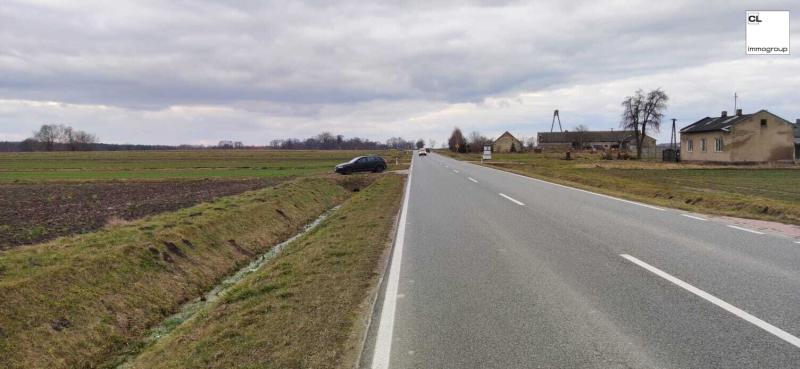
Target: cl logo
(753, 19)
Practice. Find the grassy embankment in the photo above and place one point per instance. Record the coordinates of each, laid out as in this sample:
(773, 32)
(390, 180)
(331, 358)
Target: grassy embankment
(75, 301)
(162, 165)
(302, 309)
(759, 192)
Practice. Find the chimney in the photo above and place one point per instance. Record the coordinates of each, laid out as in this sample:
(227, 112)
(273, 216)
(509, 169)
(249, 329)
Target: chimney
(738, 112)
(724, 113)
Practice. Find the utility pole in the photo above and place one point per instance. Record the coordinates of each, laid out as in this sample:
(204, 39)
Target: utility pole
(552, 124)
(735, 102)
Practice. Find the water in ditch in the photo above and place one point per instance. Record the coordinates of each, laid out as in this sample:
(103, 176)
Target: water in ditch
(191, 308)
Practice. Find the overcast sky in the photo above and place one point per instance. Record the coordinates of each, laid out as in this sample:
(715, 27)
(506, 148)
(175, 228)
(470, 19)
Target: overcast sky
(171, 72)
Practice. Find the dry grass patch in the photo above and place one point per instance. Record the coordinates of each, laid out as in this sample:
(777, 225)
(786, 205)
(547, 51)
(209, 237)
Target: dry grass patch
(301, 309)
(74, 302)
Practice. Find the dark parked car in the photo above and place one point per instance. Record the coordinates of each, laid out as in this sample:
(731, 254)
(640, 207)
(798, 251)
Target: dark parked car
(362, 164)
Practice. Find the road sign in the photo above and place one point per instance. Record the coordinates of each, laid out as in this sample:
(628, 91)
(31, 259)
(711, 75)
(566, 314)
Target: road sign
(487, 153)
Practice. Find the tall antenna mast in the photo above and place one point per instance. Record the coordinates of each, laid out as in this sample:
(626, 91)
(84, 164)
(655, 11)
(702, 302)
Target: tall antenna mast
(673, 141)
(552, 125)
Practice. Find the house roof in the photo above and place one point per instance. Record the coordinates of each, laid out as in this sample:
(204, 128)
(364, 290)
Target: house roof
(506, 134)
(587, 136)
(710, 124)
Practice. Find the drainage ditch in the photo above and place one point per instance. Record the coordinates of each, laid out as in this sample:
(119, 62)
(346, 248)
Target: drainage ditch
(188, 310)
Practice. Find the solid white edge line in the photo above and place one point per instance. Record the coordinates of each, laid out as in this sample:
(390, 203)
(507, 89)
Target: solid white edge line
(716, 301)
(509, 198)
(745, 229)
(574, 188)
(472, 179)
(383, 341)
(694, 217)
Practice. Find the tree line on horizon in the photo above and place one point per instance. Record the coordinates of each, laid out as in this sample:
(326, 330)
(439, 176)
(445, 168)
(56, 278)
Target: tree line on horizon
(59, 137)
(329, 141)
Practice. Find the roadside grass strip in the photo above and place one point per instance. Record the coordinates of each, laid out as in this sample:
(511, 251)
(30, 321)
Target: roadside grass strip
(80, 301)
(302, 309)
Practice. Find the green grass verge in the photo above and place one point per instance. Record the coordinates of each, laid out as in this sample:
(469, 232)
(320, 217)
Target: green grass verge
(756, 192)
(301, 309)
(75, 301)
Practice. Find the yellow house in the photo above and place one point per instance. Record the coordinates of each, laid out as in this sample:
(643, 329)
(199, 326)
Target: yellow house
(757, 137)
(506, 143)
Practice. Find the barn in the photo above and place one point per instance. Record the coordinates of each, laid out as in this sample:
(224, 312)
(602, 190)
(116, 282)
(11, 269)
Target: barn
(507, 143)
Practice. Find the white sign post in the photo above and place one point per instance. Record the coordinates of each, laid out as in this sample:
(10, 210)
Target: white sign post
(487, 153)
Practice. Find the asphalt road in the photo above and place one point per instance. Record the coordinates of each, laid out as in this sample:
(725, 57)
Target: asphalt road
(495, 270)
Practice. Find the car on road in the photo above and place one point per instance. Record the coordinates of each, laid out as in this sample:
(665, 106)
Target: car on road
(422, 152)
(374, 164)
(428, 149)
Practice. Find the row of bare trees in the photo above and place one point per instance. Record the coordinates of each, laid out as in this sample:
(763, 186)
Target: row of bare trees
(458, 143)
(59, 137)
(329, 141)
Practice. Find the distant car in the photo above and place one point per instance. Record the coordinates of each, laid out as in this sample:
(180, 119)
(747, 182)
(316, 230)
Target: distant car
(374, 164)
(422, 152)
(427, 149)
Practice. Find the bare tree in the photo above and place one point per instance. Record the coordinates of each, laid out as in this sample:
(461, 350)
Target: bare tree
(432, 143)
(457, 142)
(642, 112)
(61, 137)
(80, 140)
(326, 140)
(49, 135)
(420, 143)
(477, 141)
(580, 128)
(530, 142)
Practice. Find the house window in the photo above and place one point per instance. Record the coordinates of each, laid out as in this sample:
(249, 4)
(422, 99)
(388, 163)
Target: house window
(690, 146)
(763, 123)
(718, 145)
(703, 144)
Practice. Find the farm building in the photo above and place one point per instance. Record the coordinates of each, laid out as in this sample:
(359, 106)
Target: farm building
(600, 140)
(506, 143)
(757, 137)
(797, 139)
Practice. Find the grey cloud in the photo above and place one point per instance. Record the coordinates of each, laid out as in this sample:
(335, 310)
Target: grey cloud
(304, 61)
(165, 53)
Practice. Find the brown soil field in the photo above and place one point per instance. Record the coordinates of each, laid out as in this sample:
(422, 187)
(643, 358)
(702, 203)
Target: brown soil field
(32, 213)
